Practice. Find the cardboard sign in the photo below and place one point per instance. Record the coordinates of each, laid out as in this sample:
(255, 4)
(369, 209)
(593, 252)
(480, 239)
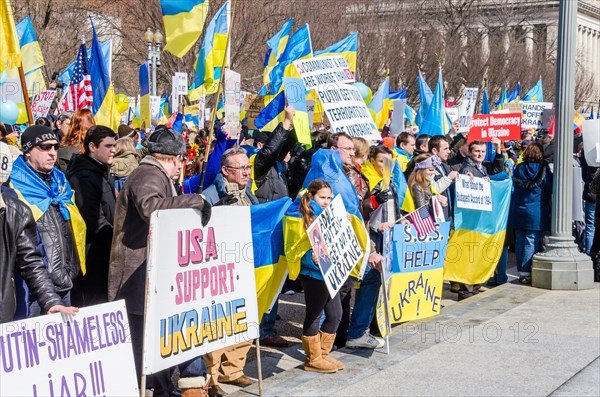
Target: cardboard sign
(201, 285)
(505, 126)
(42, 104)
(533, 114)
(324, 71)
(255, 104)
(88, 354)
(475, 194)
(347, 112)
(467, 108)
(232, 92)
(334, 242)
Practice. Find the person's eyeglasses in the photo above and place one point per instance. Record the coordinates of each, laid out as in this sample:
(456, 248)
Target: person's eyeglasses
(346, 149)
(47, 146)
(246, 168)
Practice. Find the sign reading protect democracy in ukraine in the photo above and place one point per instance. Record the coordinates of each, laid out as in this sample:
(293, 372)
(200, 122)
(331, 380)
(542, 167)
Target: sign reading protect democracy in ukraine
(201, 285)
(88, 354)
(504, 126)
(335, 244)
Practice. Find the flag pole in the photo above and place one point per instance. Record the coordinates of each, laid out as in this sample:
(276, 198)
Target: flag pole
(25, 94)
(219, 91)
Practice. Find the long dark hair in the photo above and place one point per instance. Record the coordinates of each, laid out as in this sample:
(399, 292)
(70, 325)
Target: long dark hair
(308, 216)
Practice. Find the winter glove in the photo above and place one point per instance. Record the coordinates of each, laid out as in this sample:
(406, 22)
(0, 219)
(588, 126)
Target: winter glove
(206, 211)
(383, 196)
(229, 199)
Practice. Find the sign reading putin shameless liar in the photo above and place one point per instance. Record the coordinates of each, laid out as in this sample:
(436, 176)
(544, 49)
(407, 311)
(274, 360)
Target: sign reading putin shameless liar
(201, 286)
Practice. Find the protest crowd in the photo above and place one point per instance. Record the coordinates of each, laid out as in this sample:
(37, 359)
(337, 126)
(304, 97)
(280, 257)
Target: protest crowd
(79, 194)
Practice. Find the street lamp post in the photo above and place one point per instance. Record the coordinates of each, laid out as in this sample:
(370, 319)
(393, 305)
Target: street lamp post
(561, 265)
(154, 41)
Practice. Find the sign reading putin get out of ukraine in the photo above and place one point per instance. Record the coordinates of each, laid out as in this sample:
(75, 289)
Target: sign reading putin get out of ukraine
(201, 286)
(504, 126)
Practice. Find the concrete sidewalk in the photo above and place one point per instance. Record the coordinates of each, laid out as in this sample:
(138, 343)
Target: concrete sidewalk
(512, 340)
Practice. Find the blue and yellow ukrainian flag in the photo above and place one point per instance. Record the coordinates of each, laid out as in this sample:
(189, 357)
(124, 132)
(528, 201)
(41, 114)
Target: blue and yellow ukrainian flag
(380, 104)
(346, 48)
(401, 94)
(536, 93)
(326, 165)
(410, 114)
(38, 196)
(10, 50)
(212, 54)
(436, 121)
(485, 103)
(426, 96)
(476, 244)
(277, 45)
(144, 78)
(183, 20)
(104, 107)
(513, 96)
(503, 99)
(33, 60)
(270, 265)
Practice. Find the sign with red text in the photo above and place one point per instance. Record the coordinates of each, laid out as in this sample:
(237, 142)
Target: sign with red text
(88, 354)
(504, 126)
(321, 71)
(201, 285)
(334, 244)
(42, 104)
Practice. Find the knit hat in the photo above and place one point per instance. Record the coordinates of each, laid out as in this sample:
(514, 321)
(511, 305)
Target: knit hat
(166, 141)
(125, 131)
(35, 135)
(388, 142)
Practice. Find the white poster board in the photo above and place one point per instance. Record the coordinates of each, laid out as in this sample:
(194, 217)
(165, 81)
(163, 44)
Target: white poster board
(42, 104)
(591, 141)
(201, 285)
(232, 88)
(335, 244)
(179, 87)
(533, 114)
(452, 113)
(88, 354)
(467, 108)
(397, 125)
(347, 112)
(324, 71)
(475, 194)
(154, 107)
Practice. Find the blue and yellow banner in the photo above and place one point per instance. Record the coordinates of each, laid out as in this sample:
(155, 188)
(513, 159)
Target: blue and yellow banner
(476, 244)
(277, 45)
(213, 55)
(298, 47)
(183, 20)
(380, 104)
(104, 106)
(144, 78)
(32, 58)
(346, 48)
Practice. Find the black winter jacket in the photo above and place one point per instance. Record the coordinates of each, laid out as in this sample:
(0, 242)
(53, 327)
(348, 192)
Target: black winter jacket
(95, 197)
(496, 167)
(18, 252)
(271, 181)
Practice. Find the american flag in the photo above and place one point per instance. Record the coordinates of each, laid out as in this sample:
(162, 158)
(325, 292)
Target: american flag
(79, 93)
(421, 219)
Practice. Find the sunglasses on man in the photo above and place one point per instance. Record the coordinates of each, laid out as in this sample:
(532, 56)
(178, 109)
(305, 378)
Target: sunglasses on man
(45, 147)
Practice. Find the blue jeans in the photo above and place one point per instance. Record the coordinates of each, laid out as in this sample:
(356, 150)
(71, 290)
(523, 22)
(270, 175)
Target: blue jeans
(527, 244)
(267, 324)
(500, 277)
(35, 309)
(589, 210)
(364, 304)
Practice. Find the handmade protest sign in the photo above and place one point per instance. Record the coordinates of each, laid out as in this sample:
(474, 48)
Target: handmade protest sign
(467, 108)
(321, 71)
(232, 89)
(533, 114)
(54, 355)
(41, 106)
(254, 105)
(347, 112)
(201, 285)
(415, 290)
(179, 87)
(335, 244)
(504, 126)
(475, 194)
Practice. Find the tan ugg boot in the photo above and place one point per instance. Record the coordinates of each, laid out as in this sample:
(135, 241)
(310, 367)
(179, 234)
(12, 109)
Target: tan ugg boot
(194, 386)
(314, 361)
(326, 345)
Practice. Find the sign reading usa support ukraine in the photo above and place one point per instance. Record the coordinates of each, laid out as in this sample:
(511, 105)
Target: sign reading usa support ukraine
(201, 285)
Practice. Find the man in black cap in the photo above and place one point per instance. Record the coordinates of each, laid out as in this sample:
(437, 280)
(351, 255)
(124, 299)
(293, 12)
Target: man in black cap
(47, 193)
(148, 188)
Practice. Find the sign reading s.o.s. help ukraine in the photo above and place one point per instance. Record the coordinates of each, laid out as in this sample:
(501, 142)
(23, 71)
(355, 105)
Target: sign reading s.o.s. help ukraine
(415, 289)
(201, 285)
(88, 354)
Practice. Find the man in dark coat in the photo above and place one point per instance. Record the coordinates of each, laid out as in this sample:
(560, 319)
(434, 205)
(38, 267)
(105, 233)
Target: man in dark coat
(90, 178)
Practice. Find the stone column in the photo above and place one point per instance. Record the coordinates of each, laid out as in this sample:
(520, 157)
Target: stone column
(562, 266)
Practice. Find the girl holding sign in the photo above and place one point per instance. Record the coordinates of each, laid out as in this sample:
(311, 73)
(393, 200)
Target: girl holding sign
(318, 340)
